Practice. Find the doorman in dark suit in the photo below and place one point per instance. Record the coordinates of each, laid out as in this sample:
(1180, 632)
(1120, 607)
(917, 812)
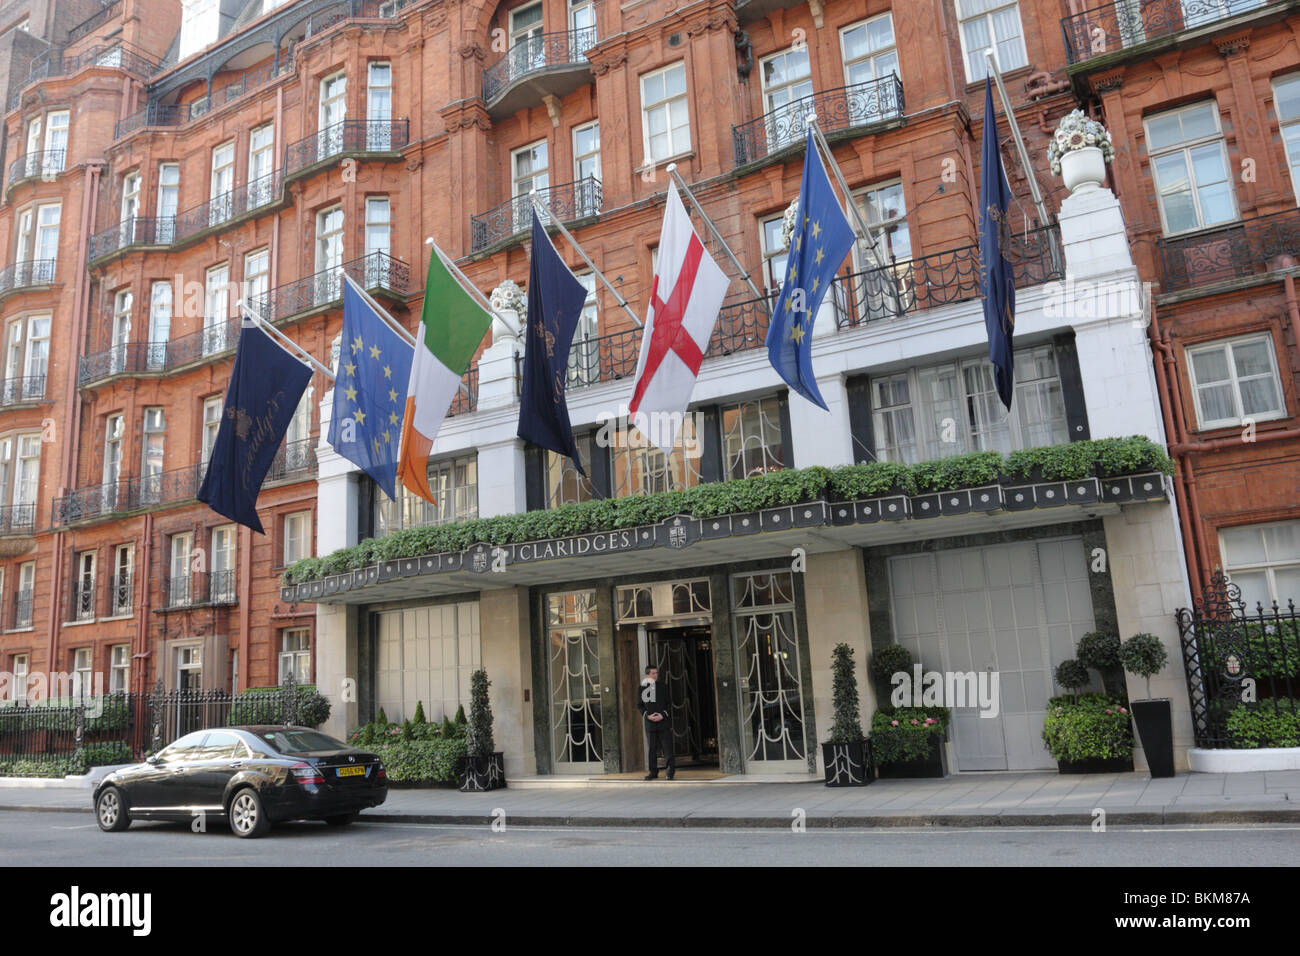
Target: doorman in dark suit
(657, 709)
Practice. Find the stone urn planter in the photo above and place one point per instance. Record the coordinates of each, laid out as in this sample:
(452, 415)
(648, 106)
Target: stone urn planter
(1079, 151)
(1083, 168)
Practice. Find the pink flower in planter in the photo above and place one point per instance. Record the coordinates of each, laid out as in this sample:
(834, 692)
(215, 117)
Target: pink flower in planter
(893, 723)
(915, 721)
(1123, 711)
(1109, 711)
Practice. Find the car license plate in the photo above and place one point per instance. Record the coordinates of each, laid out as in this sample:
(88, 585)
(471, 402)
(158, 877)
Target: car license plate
(352, 771)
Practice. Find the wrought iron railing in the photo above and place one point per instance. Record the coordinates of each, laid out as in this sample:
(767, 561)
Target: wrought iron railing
(849, 107)
(121, 594)
(155, 114)
(25, 274)
(196, 587)
(1126, 23)
(346, 136)
(95, 21)
(128, 494)
(378, 270)
(136, 231)
(322, 20)
(22, 389)
(218, 336)
(534, 54)
(81, 600)
(46, 163)
(233, 89)
(1232, 251)
(219, 209)
(20, 615)
(18, 519)
(569, 202)
(295, 459)
(58, 62)
(943, 278)
(466, 401)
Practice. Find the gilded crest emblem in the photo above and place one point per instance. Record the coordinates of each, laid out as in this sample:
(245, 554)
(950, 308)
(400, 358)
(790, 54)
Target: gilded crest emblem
(243, 422)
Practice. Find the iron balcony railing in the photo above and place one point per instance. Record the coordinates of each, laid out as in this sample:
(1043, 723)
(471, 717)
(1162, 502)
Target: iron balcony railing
(1234, 250)
(378, 270)
(128, 494)
(20, 614)
(197, 587)
(346, 136)
(322, 20)
(81, 601)
(27, 274)
(159, 114)
(569, 202)
(849, 107)
(121, 592)
(534, 54)
(218, 336)
(18, 519)
(95, 21)
(136, 231)
(58, 62)
(155, 114)
(1116, 26)
(17, 391)
(466, 401)
(294, 460)
(45, 163)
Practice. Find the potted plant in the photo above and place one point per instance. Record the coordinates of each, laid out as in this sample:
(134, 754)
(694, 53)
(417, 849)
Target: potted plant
(1079, 151)
(484, 766)
(886, 661)
(1088, 733)
(909, 742)
(1145, 656)
(1072, 675)
(846, 757)
(1099, 650)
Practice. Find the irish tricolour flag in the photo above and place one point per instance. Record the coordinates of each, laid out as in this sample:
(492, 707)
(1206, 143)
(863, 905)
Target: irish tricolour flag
(451, 326)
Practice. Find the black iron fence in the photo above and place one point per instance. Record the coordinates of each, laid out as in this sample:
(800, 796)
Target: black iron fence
(466, 399)
(155, 114)
(378, 271)
(536, 53)
(1232, 251)
(128, 494)
(199, 588)
(17, 519)
(135, 231)
(1243, 670)
(346, 136)
(29, 272)
(26, 388)
(848, 107)
(59, 62)
(1112, 27)
(93, 597)
(294, 460)
(569, 203)
(44, 162)
(217, 337)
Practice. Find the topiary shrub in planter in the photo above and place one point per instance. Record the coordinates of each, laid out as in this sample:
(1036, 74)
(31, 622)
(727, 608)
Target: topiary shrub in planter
(1089, 733)
(909, 742)
(1145, 656)
(886, 661)
(484, 766)
(416, 763)
(264, 705)
(846, 757)
(1100, 651)
(1273, 722)
(1072, 675)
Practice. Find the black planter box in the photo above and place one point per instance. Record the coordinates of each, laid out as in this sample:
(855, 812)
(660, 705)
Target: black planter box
(1018, 498)
(847, 765)
(482, 773)
(955, 502)
(895, 507)
(925, 506)
(986, 498)
(934, 765)
(843, 513)
(1155, 729)
(1096, 765)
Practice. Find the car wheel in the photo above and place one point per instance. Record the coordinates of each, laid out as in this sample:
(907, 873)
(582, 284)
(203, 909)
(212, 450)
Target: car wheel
(110, 811)
(341, 820)
(248, 818)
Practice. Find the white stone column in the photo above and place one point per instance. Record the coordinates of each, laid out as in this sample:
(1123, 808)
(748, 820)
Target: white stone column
(822, 437)
(507, 658)
(496, 373)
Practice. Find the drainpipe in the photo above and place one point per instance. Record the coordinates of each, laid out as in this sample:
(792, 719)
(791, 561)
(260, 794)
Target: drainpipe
(144, 570)
(1164, 371)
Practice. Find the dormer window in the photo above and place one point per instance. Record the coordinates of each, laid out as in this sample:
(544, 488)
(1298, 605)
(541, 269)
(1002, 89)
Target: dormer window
(200, 22)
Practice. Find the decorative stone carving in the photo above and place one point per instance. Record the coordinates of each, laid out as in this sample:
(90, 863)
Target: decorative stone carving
(1233, 44)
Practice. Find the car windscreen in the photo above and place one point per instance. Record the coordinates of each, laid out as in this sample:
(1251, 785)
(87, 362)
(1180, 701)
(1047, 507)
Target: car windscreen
(301, 741)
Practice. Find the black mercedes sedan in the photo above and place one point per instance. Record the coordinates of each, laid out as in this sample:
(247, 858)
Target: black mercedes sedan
(249, 776)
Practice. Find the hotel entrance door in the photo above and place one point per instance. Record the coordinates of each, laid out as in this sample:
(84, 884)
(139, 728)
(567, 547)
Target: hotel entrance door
(684, 656)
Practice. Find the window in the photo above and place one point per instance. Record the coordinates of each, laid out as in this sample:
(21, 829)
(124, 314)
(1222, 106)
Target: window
(582, 22)
(23, 598)
(299, 431)
(216, 311)
(169, 195)
(787, 92)
(564, 485)
(527, 47)
(257, 277)
(530, 170)
(121, 585)
(25, 367)
(379, 107)
(222, 572)
(261, 158)
(211, 424)
(38, 244)
(19, 666)
(83, 594)
(942, 410)
(28, 475)
(751, 438)
(1286, 99)
(378, 225)
(153, 442)
(82, 659)
(297, 537)
(639, 468)
(221, 204)
(665, 119)
(200, 21)
(333, 110)
(1189, 163)
(989, 24)
(13, 359)
(178, 581)
(189, 674)
(130, 206)
(453, 482)
(112, 473)
(869, 50)
(1235, 379)
(119, 668)
(121, 330)
(775, 254)
(56, 143)
(295, 654)
(584, 353)
(329, 254)
(890, 290)
(160, 324)
(884, 209)
(586, 152)
(1264, 561)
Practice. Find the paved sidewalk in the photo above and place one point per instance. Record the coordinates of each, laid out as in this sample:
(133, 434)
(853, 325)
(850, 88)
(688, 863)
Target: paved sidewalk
(972, 799)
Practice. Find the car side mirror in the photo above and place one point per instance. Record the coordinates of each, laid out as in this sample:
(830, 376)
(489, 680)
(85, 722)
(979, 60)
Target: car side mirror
(151, 759)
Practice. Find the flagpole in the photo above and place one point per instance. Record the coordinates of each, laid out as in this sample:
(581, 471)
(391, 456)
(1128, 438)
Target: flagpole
(555, 221)
(470, 287)
(864, 233)
(1015, 134)
(745, 276)
(302, 352)
(391, 322)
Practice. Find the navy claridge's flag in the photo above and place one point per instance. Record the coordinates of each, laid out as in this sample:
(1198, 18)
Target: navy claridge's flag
(370, 391)
(997, 280)
(821, 239)
(266, 385)
(555, 301)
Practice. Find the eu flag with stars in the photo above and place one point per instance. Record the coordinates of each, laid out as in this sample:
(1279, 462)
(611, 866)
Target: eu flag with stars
(821, 239)
(370, 391)
(555, 301)
(266, 385)
(997, 279)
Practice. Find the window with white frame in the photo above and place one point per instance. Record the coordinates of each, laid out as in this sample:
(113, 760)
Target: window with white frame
(82, 667)
(379, 107)
(216, 312)
(787, 86)
(529, 170)
(665, 116)
(990, 24)
(222, 570)
(454, 483)
(23, 597)
(114, 431)
(379, 223)
(123, 302)
(295, 654)
(565, 485)
(83, 598)
(1235, 379)
(189, 667)
(1189, 162)
(178, 580)
(38, 239)
(936, 411)
(261, 162)
(333, 111)
(153, 443)
(751, 438)
(121, 585)
(119, 668)
(775, 253)
(130, 203)
(221, 205)
(1264, 561)
(329, 254)
(584, 353)
(1286, 100)
(169, 198)
(19, 667)
(297, 537)
(56, 141)
(200, 22)
(27, 474)
(586, 151)
(870, 53)
(257, 276)
(160, 323)
(211, 425)
(27, 354)
(582, 21)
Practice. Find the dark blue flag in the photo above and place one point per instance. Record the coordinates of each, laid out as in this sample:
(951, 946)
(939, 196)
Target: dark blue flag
(370, 391)
(997, 280)
(821, 239)
(555, 300)
(266, 385)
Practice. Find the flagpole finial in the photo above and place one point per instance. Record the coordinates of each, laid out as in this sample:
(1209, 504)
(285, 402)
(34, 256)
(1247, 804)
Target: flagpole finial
(671, 167)
(428, 241)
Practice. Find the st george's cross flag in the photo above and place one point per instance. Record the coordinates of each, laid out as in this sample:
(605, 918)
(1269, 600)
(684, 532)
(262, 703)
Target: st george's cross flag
(687, 292)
